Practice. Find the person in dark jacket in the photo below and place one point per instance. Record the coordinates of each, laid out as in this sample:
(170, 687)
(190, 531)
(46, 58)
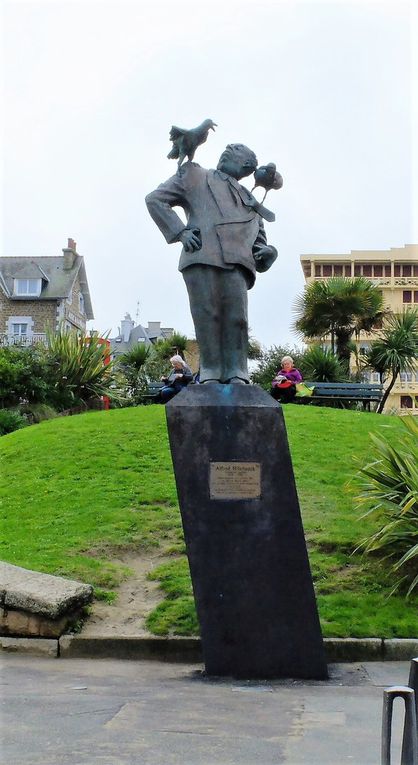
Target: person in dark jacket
(179, 377)
(283, 386)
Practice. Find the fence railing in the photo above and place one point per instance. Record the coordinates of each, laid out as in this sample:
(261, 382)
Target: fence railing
(23, 340)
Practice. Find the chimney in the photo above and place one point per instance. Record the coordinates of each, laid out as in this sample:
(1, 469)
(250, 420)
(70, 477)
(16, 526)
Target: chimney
(126, 326)
(70, 254)
(154, 328)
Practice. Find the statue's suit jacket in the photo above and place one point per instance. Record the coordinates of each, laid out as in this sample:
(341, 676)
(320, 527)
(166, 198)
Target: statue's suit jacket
(223, 211)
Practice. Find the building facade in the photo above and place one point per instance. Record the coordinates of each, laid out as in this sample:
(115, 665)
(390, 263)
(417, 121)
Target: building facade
(395, 271)
(42, 292)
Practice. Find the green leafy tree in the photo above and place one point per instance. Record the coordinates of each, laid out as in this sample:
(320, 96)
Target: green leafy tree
(395, 351)
(389, 490)
(340, 308)
(24, 376)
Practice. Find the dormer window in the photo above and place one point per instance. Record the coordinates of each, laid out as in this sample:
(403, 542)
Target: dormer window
(27, 287)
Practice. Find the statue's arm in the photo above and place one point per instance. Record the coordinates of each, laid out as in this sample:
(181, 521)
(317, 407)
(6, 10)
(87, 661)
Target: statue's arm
(160, 203)
(264, 254)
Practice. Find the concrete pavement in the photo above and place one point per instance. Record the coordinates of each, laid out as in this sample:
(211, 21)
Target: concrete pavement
(118, 712)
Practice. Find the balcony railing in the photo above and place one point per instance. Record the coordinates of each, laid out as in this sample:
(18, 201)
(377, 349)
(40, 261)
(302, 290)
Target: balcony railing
(23, 340)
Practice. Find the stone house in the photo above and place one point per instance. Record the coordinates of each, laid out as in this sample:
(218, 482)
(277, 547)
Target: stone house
(41, 292)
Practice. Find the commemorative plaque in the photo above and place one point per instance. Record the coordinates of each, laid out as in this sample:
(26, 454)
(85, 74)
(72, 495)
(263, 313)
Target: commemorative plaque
(235, 480)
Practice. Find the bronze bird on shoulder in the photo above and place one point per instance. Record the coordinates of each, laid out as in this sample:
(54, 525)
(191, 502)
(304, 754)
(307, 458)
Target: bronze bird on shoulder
(185, 142)
(267, 177)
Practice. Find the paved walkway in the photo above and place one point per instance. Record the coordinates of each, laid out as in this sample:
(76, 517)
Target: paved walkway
(108, 712)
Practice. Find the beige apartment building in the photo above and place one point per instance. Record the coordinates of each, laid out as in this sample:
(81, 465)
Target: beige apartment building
(395, 271)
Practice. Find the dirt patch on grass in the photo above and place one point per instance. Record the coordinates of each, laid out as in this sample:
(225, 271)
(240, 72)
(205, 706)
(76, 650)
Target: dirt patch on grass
(136, 598)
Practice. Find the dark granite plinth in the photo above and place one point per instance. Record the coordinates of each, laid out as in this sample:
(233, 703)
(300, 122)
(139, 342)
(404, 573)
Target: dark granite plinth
(248, 559)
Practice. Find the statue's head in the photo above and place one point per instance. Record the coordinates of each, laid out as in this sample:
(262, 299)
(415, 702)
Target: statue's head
(237, 160)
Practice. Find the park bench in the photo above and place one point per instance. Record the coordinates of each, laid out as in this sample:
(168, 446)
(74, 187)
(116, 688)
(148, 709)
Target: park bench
(343, 393)
(153, 389)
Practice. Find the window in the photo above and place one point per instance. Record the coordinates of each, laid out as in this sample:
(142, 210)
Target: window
(317, 270)
(347, 270)
(415, 296)
(406, 402)
(307, 269)
(20, 329)
(407, 296)
(374, 377)
(357, 270)
(81, 303)
(388, 271)
(327, 270)
(338, 270)
(27, 286)
(367, 269)
(20, 326)
(415, 270)
(406, 270)
(405, 376)
(378, 271)
(397, 270)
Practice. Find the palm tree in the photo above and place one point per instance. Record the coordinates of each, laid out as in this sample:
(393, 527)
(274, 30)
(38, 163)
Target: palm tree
(135, 357)
(80, 367)
(395, 351)
(340, 308)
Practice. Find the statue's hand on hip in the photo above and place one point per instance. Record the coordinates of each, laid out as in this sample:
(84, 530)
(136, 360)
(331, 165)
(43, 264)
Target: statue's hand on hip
(190, 239)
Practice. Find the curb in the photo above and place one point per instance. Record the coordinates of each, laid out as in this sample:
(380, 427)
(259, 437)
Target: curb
(188, 650)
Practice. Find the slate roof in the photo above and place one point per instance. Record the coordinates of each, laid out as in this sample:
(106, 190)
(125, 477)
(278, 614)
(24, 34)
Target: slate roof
(57, 281)
(138, 334)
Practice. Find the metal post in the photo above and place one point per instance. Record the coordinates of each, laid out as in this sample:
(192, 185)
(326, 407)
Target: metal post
(412, 683)
(410, 751)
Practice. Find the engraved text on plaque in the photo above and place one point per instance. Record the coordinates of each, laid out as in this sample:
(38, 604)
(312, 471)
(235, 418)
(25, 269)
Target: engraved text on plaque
(235, 480)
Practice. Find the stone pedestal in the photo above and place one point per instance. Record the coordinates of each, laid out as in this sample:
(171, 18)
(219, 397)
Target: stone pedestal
(245, 544)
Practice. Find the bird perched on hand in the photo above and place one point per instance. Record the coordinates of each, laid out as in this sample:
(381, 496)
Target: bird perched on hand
(185, 142)
(267, 177)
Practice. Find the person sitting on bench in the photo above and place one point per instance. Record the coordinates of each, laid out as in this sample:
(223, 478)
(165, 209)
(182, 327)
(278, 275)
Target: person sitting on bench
(283, 386)
(179, 377)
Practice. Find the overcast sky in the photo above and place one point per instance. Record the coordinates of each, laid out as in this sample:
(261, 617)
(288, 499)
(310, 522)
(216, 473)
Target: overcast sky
(324, 89)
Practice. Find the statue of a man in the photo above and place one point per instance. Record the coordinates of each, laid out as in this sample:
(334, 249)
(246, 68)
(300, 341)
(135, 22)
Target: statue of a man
(224, 244)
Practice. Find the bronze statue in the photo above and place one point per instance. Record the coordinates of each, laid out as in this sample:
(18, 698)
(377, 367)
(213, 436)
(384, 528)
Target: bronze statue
(224, 244)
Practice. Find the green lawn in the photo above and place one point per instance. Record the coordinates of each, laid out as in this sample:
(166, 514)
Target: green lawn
(75, 491)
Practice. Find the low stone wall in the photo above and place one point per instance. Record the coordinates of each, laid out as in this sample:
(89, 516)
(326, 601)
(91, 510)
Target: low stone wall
(39, 605)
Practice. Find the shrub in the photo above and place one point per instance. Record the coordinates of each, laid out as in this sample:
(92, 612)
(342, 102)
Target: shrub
(81, 368)
(321, 365)
(11, 420)
(389, 489)
(24, 375)
(35, 413)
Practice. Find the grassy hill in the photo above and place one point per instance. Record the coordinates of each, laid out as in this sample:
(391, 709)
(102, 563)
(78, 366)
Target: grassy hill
(76, 491)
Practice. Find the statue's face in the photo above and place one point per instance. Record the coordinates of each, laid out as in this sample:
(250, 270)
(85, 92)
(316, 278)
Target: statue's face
(237, 160)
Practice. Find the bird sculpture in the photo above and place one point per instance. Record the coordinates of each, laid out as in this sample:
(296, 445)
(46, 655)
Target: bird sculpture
(267, 177)
(185, 142)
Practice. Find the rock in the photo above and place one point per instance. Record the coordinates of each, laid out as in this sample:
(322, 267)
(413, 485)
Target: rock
(39, 605)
